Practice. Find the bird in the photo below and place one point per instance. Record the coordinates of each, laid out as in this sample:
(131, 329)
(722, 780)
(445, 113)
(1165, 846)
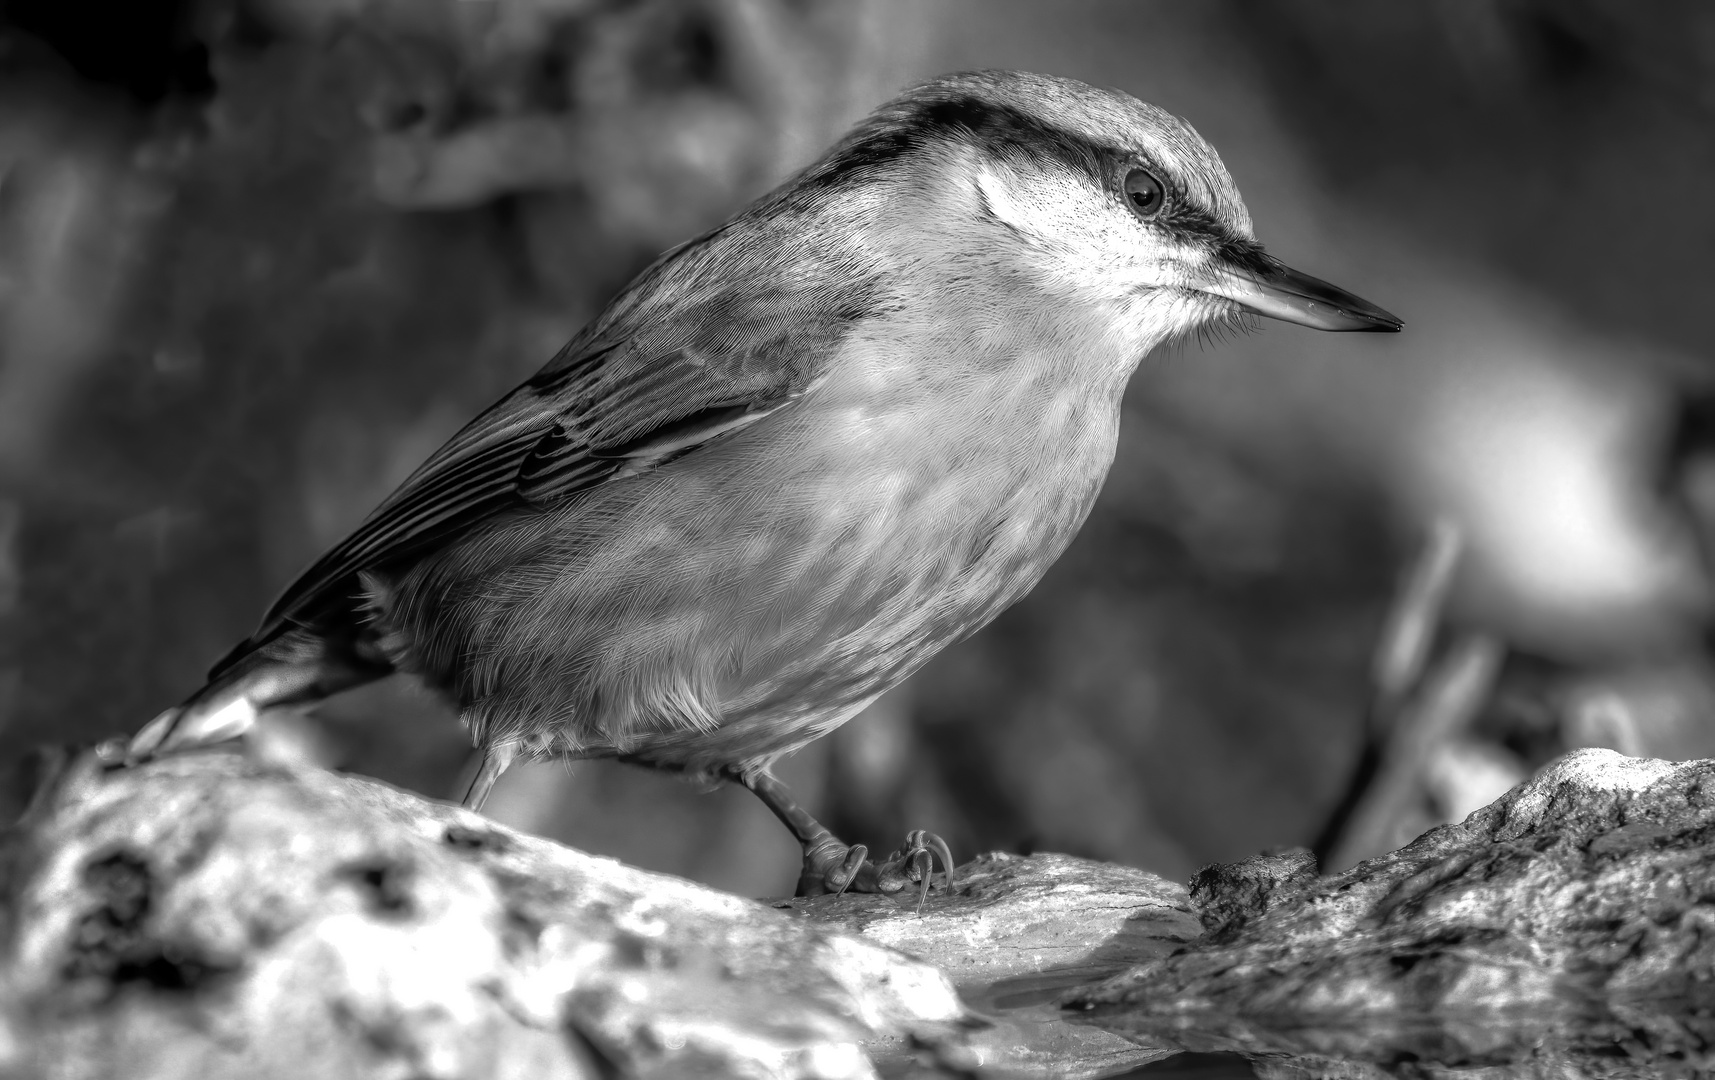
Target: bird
(793, 459)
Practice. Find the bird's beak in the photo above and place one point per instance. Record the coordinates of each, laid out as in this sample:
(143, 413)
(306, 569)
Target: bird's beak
(1266, 286)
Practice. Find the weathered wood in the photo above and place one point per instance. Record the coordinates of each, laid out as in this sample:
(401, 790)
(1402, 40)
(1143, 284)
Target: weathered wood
(213, 916)
(1563, 928)
(219, 915)
(1016, 934)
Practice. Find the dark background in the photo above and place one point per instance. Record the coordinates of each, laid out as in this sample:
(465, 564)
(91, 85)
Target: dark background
(258, 259)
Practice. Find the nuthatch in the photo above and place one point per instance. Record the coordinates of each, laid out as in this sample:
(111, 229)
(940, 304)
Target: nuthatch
(795, 458)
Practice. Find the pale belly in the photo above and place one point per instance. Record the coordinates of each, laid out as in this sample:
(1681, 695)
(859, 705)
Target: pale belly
(736, 604)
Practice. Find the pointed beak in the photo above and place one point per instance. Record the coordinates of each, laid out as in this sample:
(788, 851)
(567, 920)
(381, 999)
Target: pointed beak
(1266, 286)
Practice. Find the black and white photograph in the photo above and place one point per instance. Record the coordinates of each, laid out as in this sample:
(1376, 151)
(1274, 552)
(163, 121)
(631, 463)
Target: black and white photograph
(857, 539)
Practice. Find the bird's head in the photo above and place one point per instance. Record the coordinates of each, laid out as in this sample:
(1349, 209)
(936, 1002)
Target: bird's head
(1102, 195)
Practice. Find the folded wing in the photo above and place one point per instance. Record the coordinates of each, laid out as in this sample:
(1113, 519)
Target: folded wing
(699, 346)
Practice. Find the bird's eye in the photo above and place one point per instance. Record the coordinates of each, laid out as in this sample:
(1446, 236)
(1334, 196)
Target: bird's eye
(1144, 193)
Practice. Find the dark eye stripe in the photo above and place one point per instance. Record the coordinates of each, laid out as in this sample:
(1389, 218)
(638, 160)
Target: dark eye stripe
(1243, 254)
(1190, 223)
(907, 126)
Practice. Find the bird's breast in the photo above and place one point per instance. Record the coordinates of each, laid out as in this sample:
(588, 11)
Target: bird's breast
(735, 602)
(922, 500)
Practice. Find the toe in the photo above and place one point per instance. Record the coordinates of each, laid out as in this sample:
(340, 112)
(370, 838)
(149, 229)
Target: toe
(838, 878)
(923, 868)
(914, 864)
(832, 867)
(942, 852)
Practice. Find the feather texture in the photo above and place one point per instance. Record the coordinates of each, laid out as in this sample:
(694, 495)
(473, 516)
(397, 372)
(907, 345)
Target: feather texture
(797, 456)
(686, 354)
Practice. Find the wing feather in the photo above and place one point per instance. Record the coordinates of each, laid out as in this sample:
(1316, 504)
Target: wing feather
(699, 345)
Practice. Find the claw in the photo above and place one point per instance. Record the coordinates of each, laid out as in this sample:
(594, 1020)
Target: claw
(923, 865)
(832, 868)
(944, 853)
(847, 871)
(923, 840)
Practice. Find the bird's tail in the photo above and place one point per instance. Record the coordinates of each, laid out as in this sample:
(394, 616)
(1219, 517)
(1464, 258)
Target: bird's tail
(295, 668)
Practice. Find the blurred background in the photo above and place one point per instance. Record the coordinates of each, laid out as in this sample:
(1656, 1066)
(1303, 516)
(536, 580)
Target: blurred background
(258, 258)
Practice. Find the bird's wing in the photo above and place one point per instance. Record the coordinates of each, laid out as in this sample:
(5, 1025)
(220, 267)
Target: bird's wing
(699, 345)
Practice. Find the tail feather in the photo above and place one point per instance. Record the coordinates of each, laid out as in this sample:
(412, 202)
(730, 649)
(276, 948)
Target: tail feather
(294, 668)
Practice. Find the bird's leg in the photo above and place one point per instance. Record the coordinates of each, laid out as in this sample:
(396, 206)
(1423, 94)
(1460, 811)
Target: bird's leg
(831, 866)
(495, 758)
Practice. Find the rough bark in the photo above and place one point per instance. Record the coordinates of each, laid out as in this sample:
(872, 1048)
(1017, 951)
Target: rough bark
(223, 915)
(1016, 934)
(215, 916)
(1562, 930)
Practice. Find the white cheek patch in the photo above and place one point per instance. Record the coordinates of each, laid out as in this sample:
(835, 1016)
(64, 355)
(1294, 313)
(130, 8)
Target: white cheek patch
(1000, 202)
(1079, 239)
(1047, 211)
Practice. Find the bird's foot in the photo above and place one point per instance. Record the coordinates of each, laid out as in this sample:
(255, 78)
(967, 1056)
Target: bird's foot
(830, 868)
(914, 862)
(833, 867)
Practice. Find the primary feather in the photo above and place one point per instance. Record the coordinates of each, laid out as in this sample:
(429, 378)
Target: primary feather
(687, 353)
